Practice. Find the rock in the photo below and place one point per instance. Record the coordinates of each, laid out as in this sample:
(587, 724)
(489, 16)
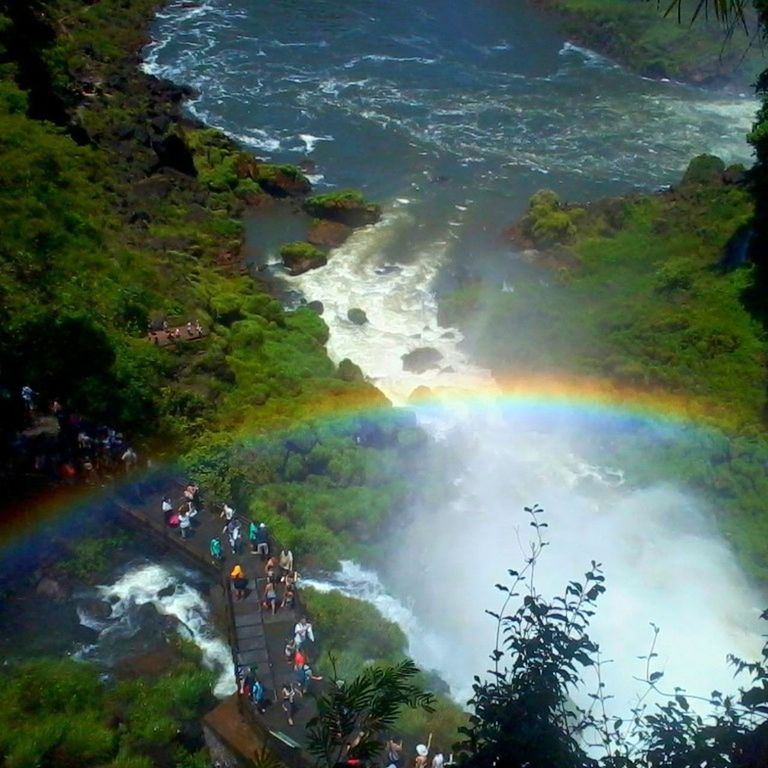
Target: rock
(301, 257)
(703, 169)
(349, 371)
(420, 393)
(346, 206)
(166, 591)
(735, 174)
(330, 234)
(388, 269)
(316, 306)
(421, 359)
(52, 589)
(99, 610)
(173, 152)
(275, 180)
(448, 335)
(357, 316)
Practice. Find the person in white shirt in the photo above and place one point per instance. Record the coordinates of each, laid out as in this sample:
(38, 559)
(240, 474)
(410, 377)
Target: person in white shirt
(227, 512)
(302, 631)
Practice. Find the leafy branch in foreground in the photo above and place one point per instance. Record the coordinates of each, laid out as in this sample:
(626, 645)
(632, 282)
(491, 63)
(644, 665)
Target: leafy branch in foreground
(529, 711)
(353, 716)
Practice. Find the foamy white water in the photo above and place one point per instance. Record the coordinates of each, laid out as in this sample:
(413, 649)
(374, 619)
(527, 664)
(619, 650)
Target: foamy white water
(140, 586)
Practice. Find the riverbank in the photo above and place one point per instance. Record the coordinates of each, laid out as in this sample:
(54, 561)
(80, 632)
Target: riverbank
(640, 36)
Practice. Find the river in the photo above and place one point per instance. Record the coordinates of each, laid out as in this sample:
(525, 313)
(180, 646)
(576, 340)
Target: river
(451, 115)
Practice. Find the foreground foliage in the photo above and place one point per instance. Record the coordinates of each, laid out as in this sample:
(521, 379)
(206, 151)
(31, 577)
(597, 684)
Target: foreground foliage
(66, 713)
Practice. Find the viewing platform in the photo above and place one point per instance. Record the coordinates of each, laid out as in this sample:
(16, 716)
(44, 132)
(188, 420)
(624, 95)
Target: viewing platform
(256, 638)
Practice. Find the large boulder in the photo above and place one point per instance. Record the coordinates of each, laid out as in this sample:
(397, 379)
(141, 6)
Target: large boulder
(421, 359)
(703, 169)
(173, 152)
(301, 257)
(346, 207)
(53, 589)
(275, 180)
(328, 234)
(357, 316)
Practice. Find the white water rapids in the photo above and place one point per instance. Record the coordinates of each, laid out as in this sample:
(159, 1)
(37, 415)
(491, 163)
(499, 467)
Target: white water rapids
(663, 558)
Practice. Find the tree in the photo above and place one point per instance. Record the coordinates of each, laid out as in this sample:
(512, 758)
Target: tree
(526, 712)
(352, 717)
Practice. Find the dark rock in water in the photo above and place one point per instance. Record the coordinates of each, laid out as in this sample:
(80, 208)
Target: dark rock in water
(448, 335)
(421, 359)
(316, 306)
(387, 269)
(308, 166)
(166, 591)
(97, 609)
(357, 316)
(330, 234)
(52, 589)
(349, 371)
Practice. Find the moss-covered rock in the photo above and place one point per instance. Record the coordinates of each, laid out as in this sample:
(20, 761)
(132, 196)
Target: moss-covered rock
(548, 222)
(421, 359)
(300, 257)
(346, 206)
(703, 169)
(349, 371)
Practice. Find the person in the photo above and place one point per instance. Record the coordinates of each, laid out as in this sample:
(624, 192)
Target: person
(304, 675)
(394, 753)
(239, 582)
(258, 696)
(216, 554)
(290, 650)
(422, 754)
(290, 579)
(192, 493)
(253, 530)
(262, 541)
(167, 507)
(28, 396)
(288, 694)
(198, 328)
(232, 531)
(185, 524)
(270, 597)
(190, 329)
(302, 631)
(289, 598)
(271, 570)
(227, 512)
(245, 680)
(438, 761)
(286, 561)
(129, 459)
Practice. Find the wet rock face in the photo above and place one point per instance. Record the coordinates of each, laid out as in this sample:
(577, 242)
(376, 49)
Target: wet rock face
(421, 359)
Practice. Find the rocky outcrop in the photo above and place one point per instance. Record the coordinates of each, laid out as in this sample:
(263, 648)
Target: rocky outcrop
(301, 257)
(328, 234)
(346, 207)
(52, 588)
(421, 359)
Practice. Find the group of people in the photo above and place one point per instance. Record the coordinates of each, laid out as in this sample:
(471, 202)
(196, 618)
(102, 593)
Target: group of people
(81, 451)
(183, 515)
(165, 332)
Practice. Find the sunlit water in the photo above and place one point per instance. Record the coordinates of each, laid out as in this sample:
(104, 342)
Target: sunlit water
(452, 115)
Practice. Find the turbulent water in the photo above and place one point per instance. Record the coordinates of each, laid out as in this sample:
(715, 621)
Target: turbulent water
(452, 115)
(139, 597)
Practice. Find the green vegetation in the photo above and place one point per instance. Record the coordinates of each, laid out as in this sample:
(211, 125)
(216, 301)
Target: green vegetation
(352, 637)
(656, 44)
(92, 557)
(345, 206)
(67, 713)
(130, 216)
(301, 256)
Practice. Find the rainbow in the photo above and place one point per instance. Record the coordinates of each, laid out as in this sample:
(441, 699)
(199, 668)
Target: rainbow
(598, 404)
